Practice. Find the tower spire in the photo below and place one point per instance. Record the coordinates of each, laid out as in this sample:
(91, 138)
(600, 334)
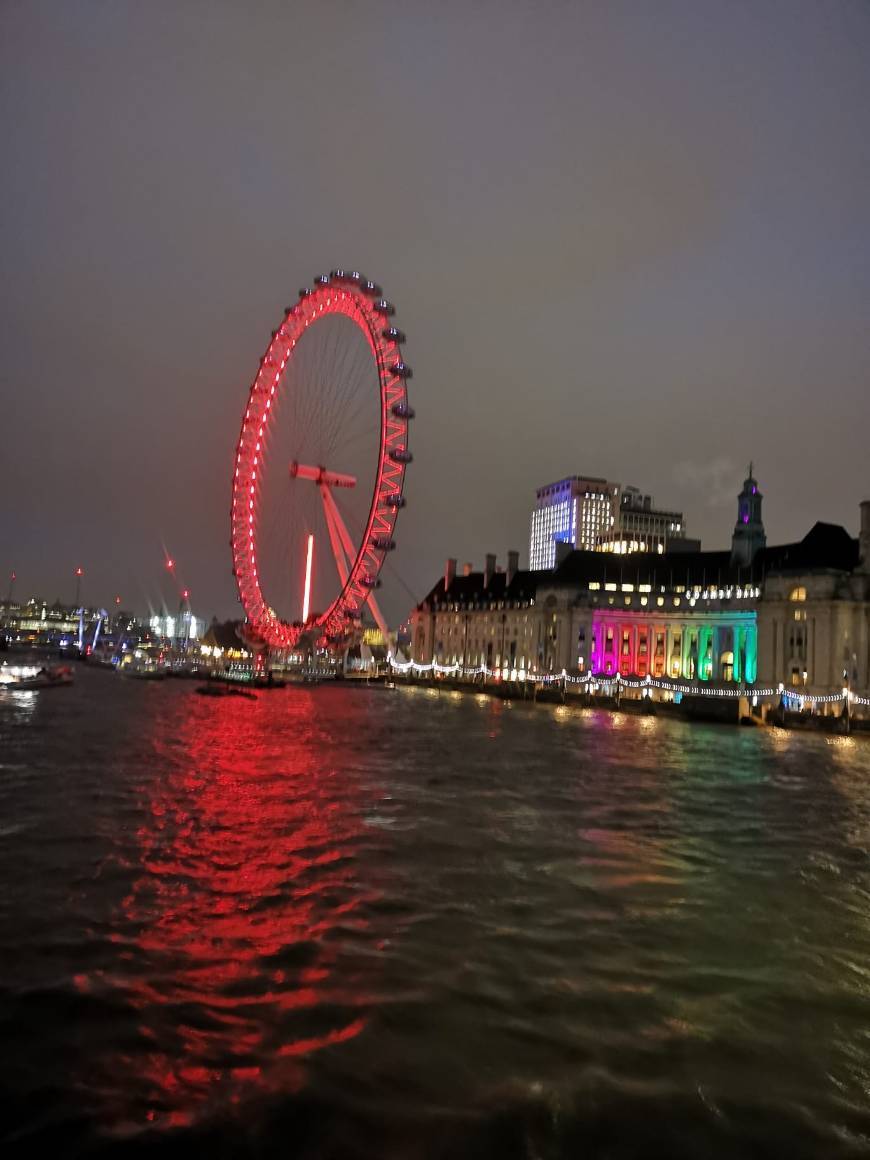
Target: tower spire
(749, 534)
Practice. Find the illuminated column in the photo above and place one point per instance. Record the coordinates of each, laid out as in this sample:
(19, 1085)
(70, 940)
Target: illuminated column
(663, 660)
(692, 667)
(598, 634)
(739, 640)
(669, 648)
(751, 653)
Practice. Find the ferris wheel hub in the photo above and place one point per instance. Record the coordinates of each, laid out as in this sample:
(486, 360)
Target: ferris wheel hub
(321, 475)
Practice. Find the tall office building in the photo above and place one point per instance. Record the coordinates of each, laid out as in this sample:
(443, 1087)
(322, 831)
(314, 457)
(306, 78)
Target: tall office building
(642, 527)
(577, 511)
(598, 515)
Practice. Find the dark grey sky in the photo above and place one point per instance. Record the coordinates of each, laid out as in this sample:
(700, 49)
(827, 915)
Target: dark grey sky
(626, 239)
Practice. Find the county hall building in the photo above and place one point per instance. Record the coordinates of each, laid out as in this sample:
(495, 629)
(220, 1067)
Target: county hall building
(795, 613)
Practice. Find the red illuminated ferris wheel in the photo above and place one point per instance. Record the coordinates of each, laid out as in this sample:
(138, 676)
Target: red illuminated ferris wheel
(320, 464)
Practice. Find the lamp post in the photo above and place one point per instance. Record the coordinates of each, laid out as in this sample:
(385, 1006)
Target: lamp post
(79, 572)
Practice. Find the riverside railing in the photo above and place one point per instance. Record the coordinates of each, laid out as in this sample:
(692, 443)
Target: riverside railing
(607, 684)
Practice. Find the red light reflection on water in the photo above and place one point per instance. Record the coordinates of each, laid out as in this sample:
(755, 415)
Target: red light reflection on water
(245, 891)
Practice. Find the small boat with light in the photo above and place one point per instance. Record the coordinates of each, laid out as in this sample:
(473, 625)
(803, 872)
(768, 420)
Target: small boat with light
(26, 677)
(142, 666)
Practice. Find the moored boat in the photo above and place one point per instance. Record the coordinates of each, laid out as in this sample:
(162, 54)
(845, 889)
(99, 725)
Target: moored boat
(26, 678)
(142, 666)
(229, 689)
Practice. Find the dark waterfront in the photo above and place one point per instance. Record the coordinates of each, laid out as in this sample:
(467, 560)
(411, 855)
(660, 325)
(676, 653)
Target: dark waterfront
(360, 923)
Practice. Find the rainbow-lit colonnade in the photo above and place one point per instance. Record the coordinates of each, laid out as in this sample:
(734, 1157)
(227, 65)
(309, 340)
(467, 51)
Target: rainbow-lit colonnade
(716, 646)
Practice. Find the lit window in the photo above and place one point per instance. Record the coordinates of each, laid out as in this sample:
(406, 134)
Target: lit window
(799, 593)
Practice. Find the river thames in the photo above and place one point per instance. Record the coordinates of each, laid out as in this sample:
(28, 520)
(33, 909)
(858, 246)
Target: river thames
(355, 922)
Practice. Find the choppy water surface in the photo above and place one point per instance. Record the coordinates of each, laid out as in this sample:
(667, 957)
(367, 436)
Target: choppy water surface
(359, 923)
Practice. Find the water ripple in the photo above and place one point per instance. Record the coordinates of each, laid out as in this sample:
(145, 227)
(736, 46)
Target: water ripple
(347, 923)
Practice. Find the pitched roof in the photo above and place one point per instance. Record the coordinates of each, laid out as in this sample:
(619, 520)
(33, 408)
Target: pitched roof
(826, 547)
(466, 589)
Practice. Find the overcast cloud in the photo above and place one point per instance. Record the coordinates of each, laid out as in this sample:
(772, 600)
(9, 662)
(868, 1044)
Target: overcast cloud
(624, 239)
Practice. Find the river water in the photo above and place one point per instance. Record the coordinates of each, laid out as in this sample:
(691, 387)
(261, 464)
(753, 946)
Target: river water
(347, 922)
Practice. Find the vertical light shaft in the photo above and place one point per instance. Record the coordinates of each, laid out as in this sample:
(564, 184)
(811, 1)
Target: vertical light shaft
(306, 599)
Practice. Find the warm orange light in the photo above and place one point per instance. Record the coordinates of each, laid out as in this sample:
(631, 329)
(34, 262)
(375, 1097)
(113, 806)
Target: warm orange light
(306, 600)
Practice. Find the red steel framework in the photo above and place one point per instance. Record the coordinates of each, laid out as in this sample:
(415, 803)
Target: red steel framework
(361, 301)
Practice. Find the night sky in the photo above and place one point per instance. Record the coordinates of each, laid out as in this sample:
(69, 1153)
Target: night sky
(624, 239)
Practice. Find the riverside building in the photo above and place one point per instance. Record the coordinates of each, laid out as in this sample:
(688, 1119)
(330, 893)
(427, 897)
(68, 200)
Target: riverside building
(794, 613)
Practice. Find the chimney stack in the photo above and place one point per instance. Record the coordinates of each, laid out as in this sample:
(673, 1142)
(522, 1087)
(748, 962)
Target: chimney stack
(513, 565)
(489, 570)
(864, 538)
(449, 574)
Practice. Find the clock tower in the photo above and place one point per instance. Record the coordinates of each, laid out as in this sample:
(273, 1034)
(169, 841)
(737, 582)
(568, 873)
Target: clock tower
(748, 534)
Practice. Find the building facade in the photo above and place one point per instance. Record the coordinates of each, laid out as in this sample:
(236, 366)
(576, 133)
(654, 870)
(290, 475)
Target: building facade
(574, 511)
(796, 613)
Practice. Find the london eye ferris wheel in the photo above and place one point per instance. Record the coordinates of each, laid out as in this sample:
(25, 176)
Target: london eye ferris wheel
(320, 465)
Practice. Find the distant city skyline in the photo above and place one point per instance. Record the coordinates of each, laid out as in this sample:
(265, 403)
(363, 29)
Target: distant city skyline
(622, 239)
